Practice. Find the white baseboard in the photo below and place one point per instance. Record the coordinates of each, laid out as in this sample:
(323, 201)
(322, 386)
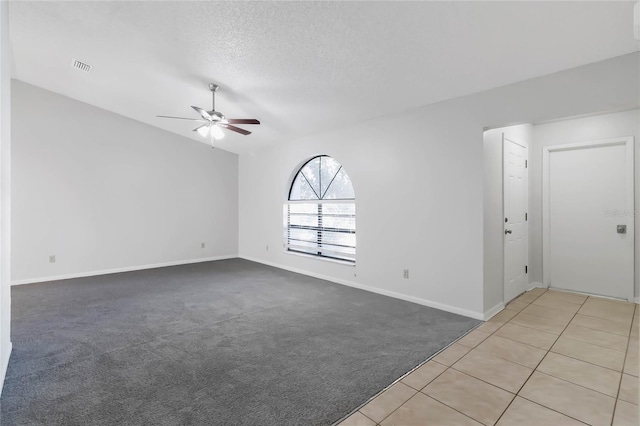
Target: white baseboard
(637, 299)
(117, 270)
(4, 366)
(419, 301)
(493, 311)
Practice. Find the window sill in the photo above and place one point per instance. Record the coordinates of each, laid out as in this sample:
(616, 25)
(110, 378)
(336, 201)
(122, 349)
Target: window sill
(324, 259)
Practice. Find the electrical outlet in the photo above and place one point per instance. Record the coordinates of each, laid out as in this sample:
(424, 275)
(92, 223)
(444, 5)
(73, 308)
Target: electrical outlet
(202, 245)
(405, 273)
(52, 258)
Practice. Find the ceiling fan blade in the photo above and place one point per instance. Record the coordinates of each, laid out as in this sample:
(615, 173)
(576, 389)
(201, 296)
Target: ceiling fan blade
(242, 121)
(203, 113)
(181, 118)
(234, 129)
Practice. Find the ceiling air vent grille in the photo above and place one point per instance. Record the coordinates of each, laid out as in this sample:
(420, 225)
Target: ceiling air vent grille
(81, 66)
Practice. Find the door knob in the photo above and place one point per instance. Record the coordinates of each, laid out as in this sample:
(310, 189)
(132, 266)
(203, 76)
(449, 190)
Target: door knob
(507, 231)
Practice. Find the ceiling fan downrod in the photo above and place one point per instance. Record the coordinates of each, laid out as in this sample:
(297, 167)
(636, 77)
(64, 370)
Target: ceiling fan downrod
(214, 88)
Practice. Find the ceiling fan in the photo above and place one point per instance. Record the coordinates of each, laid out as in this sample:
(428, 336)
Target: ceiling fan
(213, 121)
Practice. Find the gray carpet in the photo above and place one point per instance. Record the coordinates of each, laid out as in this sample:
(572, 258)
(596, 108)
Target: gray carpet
(221, 343)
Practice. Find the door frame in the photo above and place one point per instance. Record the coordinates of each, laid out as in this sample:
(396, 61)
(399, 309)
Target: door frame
(628, 142)
(526, 200)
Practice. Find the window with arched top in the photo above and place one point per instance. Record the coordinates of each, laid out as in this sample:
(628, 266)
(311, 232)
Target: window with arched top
(320, 214)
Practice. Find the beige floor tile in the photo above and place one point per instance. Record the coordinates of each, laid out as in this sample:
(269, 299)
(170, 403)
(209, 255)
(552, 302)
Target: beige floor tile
(601, 324)
(450, 355)
(604, 357)
(473, 339)
(603, 380)
(532, 337)
(512, 351)
(526, 298)
(424, 374)
(422, 410)
(567, 296)
(629, 389)
(633, 346)
(612, 303)
(516, 306)
(522, 412)
(610, 310)
(490, 327)
(635, 329)
(631, 365)
(626, 414)
(595, 337)
(554, 303)
(543, 324)
(385, 403)
(575, 401)
(499, 372)
(537, 291)
(357, 419)
(472, 397)
(545, 312)
(503, 316)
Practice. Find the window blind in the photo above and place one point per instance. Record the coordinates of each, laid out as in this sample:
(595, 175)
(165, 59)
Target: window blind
(325, 228)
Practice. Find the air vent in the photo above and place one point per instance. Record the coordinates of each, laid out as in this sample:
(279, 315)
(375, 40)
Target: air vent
(79, 65)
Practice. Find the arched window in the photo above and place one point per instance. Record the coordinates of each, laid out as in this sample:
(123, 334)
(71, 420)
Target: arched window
(320, 215)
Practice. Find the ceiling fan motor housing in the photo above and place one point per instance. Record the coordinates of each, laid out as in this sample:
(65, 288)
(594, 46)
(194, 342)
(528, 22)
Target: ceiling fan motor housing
(216, 116)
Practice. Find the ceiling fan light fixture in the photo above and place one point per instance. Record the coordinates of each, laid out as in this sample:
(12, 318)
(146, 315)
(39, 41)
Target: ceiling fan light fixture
(203, 130)
(217, 132)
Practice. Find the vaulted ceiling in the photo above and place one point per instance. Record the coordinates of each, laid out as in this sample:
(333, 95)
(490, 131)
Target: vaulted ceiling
(301, 67)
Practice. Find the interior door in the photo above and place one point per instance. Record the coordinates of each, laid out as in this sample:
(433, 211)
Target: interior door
(516, 249)
(590, 219)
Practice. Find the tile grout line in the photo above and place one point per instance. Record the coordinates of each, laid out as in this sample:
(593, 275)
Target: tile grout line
(517, 394)
(586, 362)
(455, 409)
(626, 353)
(398, 380)
(490, 384)
(541, 372)
(545, 355)
(448, 367)
(551, 409)
(549, 350)
(529, 376)
(576, 384)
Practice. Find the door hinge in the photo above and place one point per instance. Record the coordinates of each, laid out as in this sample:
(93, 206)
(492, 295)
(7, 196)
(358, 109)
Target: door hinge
(525, 269)
(525, 164)
(526, 216)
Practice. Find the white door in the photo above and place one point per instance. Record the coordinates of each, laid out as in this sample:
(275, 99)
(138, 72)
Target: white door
(516, 250)
(588, 214)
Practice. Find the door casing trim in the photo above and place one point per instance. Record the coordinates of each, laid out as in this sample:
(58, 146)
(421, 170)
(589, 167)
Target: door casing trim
(628, 142)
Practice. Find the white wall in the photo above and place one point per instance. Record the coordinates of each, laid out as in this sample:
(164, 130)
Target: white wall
(418, 178)
(5, 191)
(493, 210)
(103, 192)
(604, 126)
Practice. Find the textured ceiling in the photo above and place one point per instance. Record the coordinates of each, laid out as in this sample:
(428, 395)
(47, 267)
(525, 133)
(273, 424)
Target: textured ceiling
(301, 67)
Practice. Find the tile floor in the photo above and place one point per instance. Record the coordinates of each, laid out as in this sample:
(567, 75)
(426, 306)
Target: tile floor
(549, 358)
